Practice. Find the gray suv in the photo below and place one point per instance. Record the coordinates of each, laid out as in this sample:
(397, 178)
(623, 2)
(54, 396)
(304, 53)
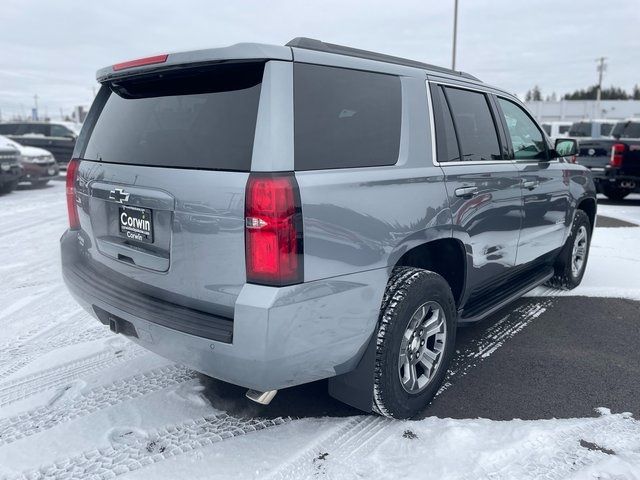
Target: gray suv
(276, 215)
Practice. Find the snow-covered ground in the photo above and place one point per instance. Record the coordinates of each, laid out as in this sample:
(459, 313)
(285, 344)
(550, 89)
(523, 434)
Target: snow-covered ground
(79, 402)
(614, 259)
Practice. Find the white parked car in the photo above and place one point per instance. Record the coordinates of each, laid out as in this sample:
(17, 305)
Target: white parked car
(557, 129)
(38, 165)
(597, 128)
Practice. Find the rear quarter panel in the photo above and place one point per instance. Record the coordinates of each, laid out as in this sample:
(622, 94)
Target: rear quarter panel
(365, 218)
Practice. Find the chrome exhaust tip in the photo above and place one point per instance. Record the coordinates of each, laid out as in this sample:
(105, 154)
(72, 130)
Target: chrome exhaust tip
(263, 398)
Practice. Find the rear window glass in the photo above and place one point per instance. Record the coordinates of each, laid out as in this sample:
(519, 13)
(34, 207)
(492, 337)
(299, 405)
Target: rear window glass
(547, 128)
(190, 119)
(564, 128)
(626, 130)
(345, 118)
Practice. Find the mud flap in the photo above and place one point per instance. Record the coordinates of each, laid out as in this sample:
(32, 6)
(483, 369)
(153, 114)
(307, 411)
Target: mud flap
(355, 388)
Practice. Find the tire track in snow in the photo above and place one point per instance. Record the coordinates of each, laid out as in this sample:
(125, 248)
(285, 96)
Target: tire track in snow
(61, 375)
(104, 396)
(357, 435)
(494, 337)
(354, 436)
(25, 302)
(24, 228)
(131, 450)
(523, 460)
(14, 357)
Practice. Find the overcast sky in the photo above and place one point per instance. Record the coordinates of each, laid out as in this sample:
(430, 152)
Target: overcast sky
(54, 47)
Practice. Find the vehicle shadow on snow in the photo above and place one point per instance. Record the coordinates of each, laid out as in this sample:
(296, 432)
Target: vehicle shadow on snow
(309, 400)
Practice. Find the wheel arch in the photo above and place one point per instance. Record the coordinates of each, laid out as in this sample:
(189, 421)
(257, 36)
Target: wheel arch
(444, 256)
(589, 206)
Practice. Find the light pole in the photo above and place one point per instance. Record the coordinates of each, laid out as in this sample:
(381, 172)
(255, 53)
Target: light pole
(455, 34)
(601, 68)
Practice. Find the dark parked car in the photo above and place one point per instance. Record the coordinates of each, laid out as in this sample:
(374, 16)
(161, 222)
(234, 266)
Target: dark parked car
(58, 138)
(276, 215)
(615, 161)
(10, 170)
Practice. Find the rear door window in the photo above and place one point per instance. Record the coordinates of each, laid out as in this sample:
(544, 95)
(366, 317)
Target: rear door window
(474, 124)
(446, 141)
(345, 118)
(198, 118)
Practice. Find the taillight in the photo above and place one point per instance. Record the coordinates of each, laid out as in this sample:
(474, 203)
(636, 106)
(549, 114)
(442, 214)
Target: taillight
(72, 206)
(273, 229)
(617, 152)
(140, 62)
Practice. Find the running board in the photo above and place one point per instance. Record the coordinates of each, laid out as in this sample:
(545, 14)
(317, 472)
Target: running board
(504, 296)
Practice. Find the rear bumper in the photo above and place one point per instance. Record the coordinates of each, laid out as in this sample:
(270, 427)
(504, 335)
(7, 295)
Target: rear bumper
(615, 178)
(279, 337)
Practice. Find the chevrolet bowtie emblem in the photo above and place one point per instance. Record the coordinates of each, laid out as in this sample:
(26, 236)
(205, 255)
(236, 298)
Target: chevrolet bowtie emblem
(118, 195)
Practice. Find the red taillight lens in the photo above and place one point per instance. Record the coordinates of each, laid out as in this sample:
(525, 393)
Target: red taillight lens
(617, 152)
(72, 206)
(273, 230)
(140, 62)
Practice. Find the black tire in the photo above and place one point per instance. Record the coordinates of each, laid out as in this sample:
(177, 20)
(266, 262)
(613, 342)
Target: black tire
(8, 187)
(407, 290)
(616, 194)
(564, 276)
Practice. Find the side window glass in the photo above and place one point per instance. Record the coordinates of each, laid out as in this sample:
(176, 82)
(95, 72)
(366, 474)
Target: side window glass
(474, 125)
(605, 129)
(34, 129)
(59, 131)
(446, 141)
(528, 142)
(8, 129)
(345, 118)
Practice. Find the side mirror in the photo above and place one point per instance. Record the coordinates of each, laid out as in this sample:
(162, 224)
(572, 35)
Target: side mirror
(565, 147)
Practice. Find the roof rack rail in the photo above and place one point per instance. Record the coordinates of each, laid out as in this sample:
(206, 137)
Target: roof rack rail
(320, 46)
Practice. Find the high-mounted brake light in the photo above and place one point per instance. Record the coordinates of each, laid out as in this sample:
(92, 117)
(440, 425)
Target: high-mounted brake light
(617, 153)
(273, 230)
(72, 206)
(140, 62)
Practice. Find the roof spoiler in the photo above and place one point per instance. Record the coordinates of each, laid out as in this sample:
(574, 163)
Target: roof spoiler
(320, 46)
(239, 51)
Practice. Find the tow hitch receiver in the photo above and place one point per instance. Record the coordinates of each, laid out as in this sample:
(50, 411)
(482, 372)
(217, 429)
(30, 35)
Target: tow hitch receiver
(263, 398)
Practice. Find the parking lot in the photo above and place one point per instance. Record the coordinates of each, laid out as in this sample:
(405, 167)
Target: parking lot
(90, 402)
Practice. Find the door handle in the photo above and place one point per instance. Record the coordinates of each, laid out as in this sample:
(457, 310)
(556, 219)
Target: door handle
(466, 191)
(530, 184)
